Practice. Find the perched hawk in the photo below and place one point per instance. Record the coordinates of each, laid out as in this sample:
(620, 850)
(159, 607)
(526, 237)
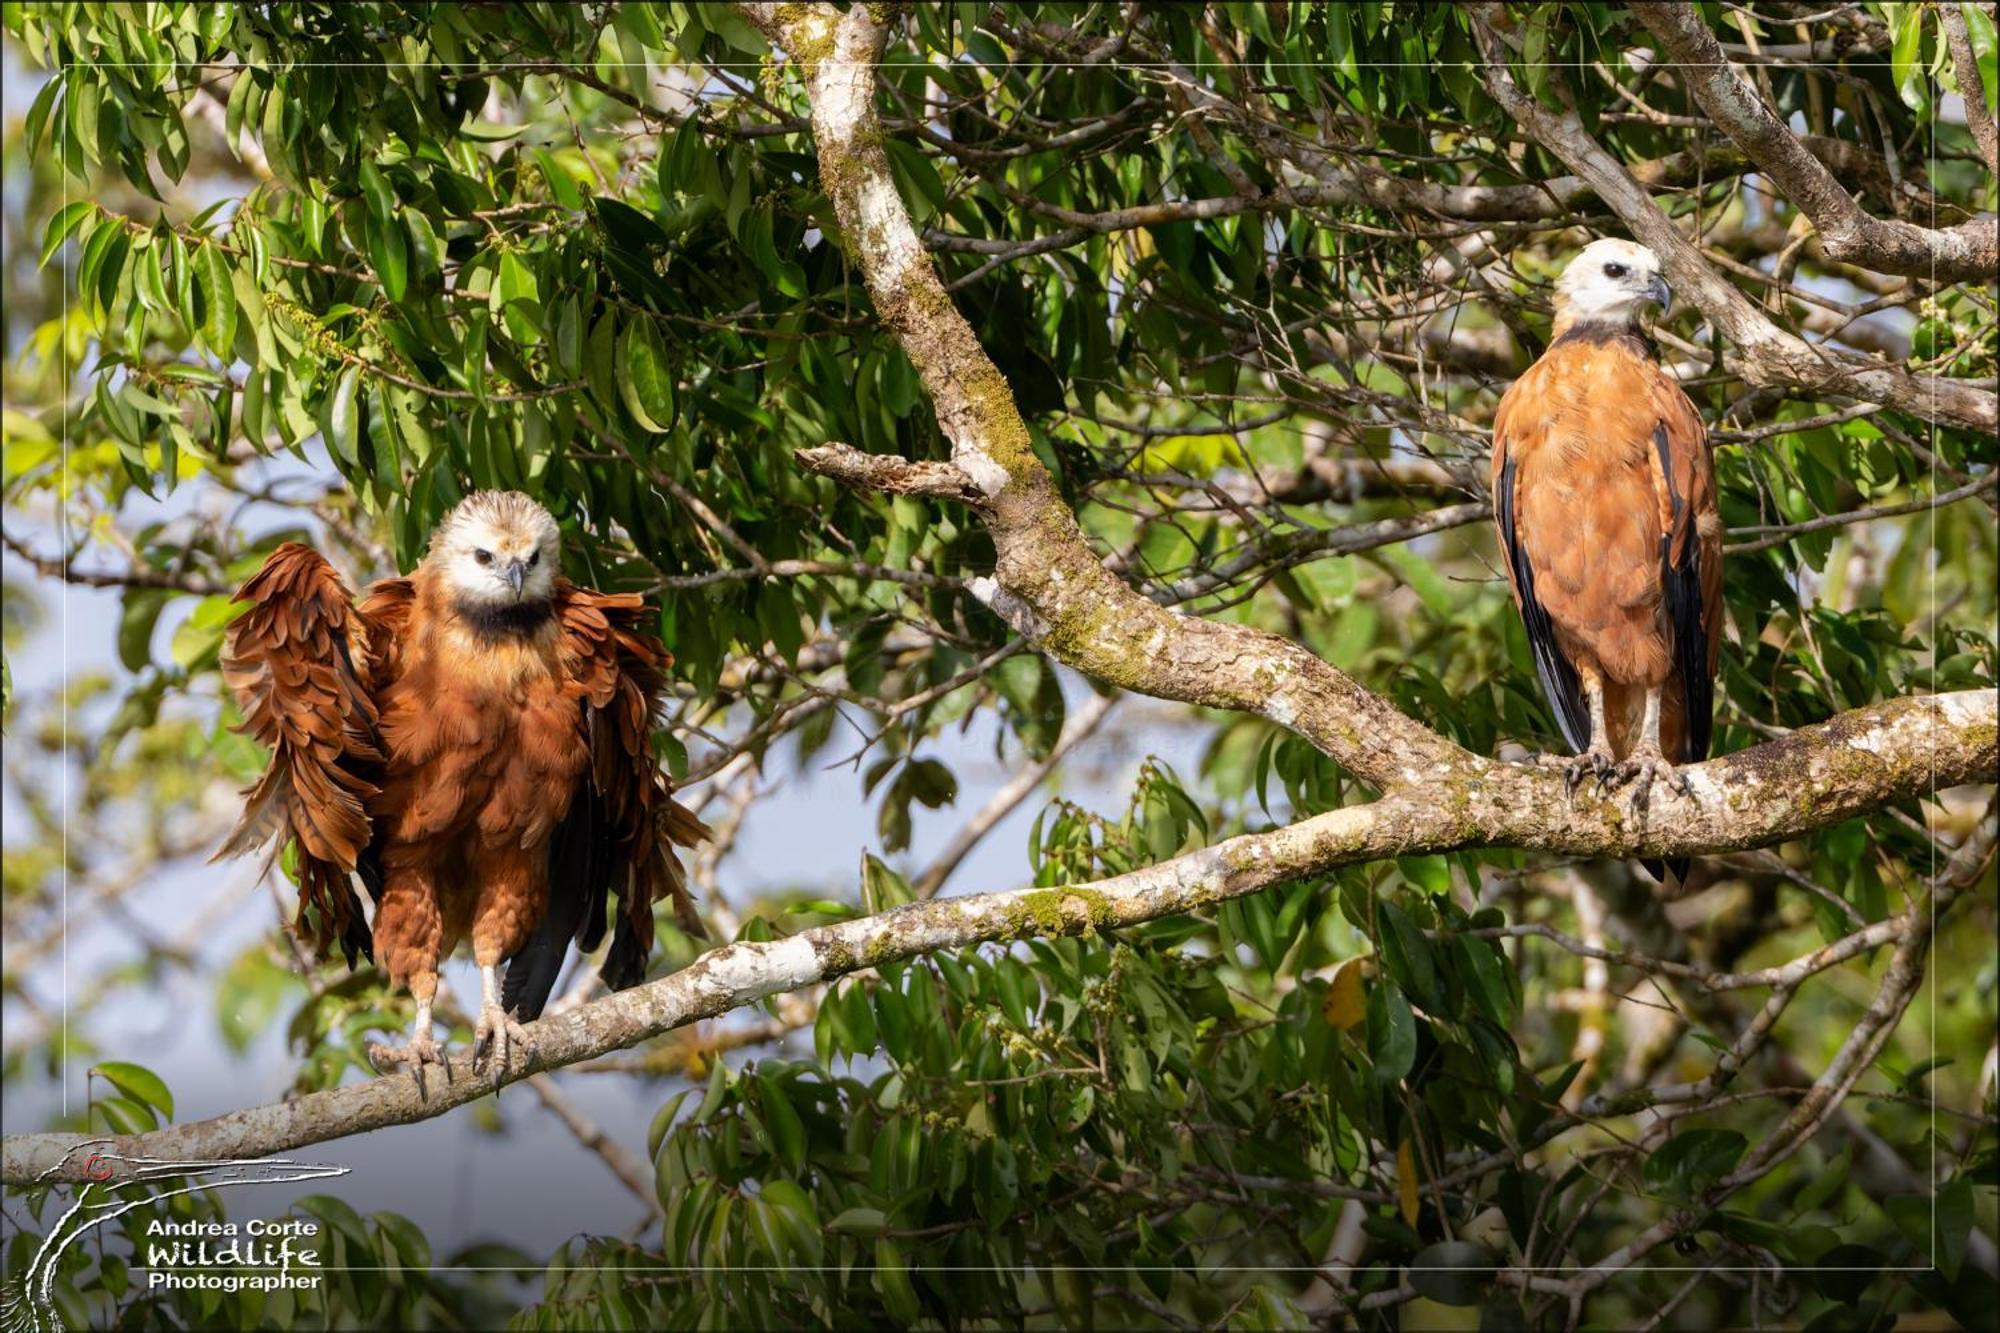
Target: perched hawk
(1604, 494)
(475, 742)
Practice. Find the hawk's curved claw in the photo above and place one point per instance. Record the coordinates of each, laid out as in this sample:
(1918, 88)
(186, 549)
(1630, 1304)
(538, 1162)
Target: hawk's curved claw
(498, 1030)
(421, 1049)
(1647, 769)
(1575, 768)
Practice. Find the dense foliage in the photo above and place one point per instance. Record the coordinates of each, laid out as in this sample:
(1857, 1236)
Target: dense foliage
(584, 251)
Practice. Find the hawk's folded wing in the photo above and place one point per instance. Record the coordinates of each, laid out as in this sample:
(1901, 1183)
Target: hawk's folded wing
(1560, 682)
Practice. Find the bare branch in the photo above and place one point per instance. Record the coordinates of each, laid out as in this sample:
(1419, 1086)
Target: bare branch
(1968, 252)
(889, 474)
(66, 570)
(1784, 532)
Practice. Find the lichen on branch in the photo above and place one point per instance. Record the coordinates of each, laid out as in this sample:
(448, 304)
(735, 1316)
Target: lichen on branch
(1812, 779)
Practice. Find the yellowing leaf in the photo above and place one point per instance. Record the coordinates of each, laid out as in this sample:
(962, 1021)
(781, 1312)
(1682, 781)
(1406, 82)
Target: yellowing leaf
(1406, 1180)
(1346, 1003)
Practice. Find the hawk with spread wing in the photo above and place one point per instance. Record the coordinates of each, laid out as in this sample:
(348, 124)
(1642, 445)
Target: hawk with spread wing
(475, 743)
(1604, 494)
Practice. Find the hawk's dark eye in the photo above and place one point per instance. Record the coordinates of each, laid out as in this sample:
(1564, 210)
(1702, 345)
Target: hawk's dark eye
(534, 558)
(483, 557)
(1614, 270)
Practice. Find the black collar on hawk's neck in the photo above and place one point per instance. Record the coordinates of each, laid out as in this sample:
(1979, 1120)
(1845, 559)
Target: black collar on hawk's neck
(505, 620)
(1601, 331)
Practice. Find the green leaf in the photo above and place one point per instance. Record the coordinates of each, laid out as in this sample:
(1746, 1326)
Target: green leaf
(339, 1215)
(35, 122)
(1423, 577)
(568, 343)
(122, 1115)
(216, 287)
(66, 220)
(1392, 1034)
(249, 993)
(196, 640)
(663, 1122)
(1905, 56)
(864, 1222)
(600, 359)
(1452, 1272)
(1407, 954)
(645, 384)
(343, 433)
(892, 1282)
(140, 613)
(1535, 37)
(1979, 28)
(381, 198)
(516, 281)
(137, 1082)
(788, 1132)
(389, 255)
(1954, 1225)
(1826, 1183)
(1486, 976)
(562, 185)
(881, 887)
(1694, 1159)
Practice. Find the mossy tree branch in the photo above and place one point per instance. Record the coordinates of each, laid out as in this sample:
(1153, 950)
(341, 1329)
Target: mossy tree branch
(1048, 583)
(1811, 779)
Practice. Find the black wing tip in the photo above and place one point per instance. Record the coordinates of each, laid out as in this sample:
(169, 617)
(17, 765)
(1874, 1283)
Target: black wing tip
(1560, 683)
(531, 975)
(357, 941)
(1676, 866)
(625, 961)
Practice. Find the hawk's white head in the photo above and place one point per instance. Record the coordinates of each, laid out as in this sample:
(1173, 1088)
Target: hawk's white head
(1610, 281)
(497, 549)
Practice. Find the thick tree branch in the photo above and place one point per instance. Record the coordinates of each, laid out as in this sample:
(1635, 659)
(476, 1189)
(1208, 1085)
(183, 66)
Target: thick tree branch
(1965, 66)
(1965, 253)
(1048, 584)
(1766, 354)
(1810, 779)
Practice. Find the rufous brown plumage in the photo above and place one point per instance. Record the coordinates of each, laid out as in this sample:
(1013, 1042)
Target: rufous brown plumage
(474, 743)
(1604, 495)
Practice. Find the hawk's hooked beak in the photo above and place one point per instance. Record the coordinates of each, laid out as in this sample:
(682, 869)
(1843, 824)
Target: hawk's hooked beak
(1658, 290)
(517, 574)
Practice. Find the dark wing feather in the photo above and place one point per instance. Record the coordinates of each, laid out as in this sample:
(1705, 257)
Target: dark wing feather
(1690, 578)
(580, 858)
(298, 662)
(1681, 590)
(619, 836)
(1559, 679)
